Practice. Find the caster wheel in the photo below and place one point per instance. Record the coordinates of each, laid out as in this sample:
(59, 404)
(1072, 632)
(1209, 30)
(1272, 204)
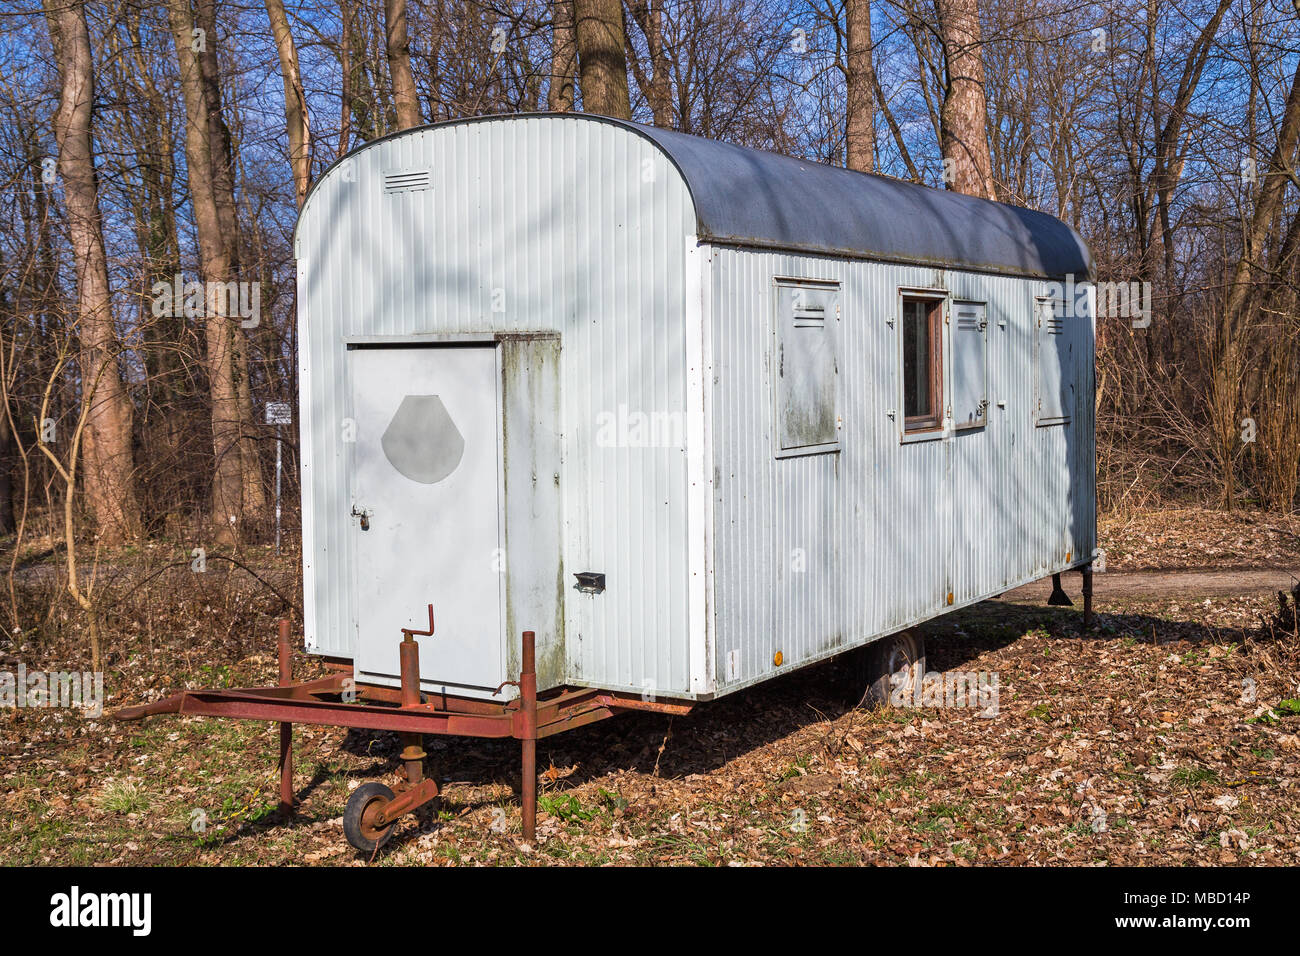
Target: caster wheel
(359, 817)
(889, 669)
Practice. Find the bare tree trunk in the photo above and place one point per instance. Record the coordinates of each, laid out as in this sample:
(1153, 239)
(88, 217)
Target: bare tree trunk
(1280, 172)
(963, 117)
(250, 465)
(659, 92)
(164, 422)
(860, 89)
(602, 63)
(223, 183)
(1229, 354)
(222, 149)
(345, 69)
(106, 442)
(8, 448)
(215, 262)
(564, 57)
(373, 97)
(296, 118)
(405, 98)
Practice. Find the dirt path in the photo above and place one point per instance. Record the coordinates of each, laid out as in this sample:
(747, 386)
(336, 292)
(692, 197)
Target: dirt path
(1118, 585)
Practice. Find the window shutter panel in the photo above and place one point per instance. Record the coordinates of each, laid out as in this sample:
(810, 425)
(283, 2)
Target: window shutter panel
(970, 364)
(806, 367)
(1053, 364)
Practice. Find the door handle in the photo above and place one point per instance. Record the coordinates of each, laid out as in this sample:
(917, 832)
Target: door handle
(364, 516)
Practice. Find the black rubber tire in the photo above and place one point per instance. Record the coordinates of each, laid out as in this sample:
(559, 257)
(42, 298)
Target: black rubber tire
(875, 665)
(362, 836)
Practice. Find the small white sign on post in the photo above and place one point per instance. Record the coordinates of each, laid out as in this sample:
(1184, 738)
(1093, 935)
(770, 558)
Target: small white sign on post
(277, 414)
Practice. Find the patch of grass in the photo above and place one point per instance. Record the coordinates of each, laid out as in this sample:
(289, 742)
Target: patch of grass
(918, 783)
(212, 675)
(876, 840)
(30, 847)
(1194, 776)
(696, 853)
(932, 817)
(122, 796)
(835, 855)
(233, 813)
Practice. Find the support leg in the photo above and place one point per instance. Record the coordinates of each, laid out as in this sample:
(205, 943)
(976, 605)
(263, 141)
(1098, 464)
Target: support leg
(1087, 596)
(1058, 597)
(286, 730)
(528, 704)
(412, 744)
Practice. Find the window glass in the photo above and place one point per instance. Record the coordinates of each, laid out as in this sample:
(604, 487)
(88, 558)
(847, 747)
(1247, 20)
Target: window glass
(921, 391)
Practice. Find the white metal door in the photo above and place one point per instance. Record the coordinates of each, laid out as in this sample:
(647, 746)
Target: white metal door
(426, 510)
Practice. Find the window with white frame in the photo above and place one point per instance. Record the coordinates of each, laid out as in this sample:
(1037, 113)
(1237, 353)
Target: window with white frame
(922, 331)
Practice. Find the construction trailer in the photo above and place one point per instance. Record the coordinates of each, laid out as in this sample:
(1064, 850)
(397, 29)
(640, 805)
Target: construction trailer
(692, 414)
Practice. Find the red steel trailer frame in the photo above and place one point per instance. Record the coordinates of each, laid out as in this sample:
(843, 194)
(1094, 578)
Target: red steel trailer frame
(337, 700)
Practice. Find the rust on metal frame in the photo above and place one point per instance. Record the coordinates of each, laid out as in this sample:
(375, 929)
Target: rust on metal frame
(527, 733)
(285, 654)
(417, 790)
(528, 718)
(308, 703)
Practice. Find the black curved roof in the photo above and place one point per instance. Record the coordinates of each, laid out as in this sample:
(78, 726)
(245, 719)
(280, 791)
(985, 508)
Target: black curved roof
(751, 197)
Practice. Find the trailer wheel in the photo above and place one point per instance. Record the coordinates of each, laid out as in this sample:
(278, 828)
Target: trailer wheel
(358, 817)
(892, 665)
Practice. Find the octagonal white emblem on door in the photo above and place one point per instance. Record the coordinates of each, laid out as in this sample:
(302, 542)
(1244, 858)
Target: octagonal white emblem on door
(422, 442)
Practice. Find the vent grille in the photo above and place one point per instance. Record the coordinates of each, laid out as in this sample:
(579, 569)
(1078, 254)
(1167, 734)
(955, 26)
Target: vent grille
(1052, 316)
(809, 316)
(407, 180)
(969, 320)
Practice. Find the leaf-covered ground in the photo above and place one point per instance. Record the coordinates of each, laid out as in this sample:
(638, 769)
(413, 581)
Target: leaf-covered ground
(1168, 735)
(1172, 539)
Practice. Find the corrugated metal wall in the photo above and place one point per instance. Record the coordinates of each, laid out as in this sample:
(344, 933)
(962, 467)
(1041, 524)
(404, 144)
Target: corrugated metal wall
(815, 554)
(527, 224)
(575, 226)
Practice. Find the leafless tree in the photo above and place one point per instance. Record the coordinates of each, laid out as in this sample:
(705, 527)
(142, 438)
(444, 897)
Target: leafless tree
(860, 88)
(405, 98)
(963, 115)
(106, 439)
(564, 57)
(602, 63)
